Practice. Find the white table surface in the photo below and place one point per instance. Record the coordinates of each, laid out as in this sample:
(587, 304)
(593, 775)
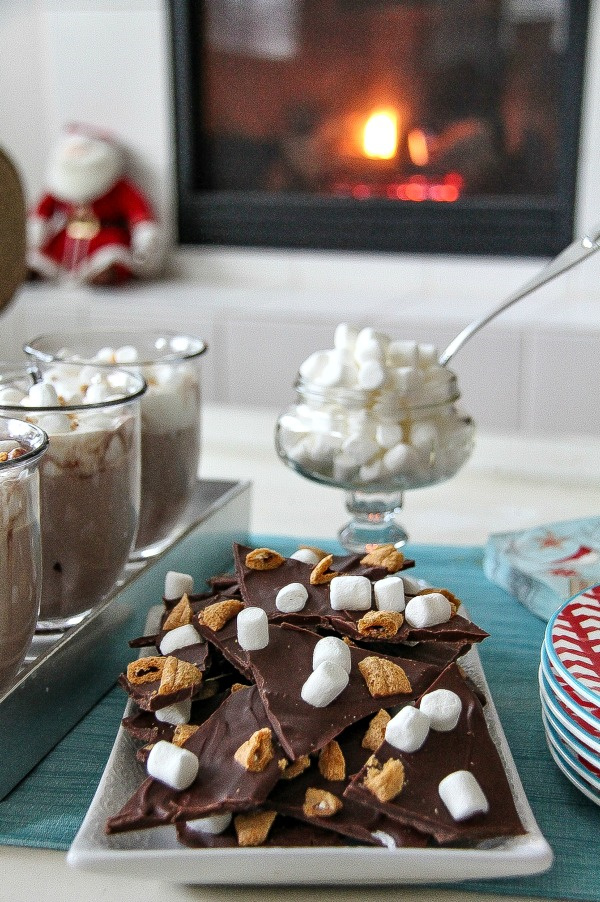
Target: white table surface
(510, 483)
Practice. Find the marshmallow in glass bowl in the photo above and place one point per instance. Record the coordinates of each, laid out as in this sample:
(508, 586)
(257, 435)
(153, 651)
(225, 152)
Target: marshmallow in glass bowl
(171, 408)
(375, 416)
(89, 479)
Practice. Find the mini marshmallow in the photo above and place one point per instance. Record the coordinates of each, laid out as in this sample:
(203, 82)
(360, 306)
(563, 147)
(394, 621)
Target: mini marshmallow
(384, 838)
(371, 472)
(462, 795)
(126, 354)
(344, 468)
(350, 593)
(213, 824)
(412, 586)
(252, 629)
(105, 355)
(330, 648)
(178, 584)
(359, 449)
(443, 708)
(8, 445)
(291, 598)
(428, 610)
(371, 375)
(408, 729)
(401, 459)
(324, 684)
(403, 353)
(10, 395)
(388, 434)
(389, 594)
(175, 714)
(369, 345)
(171, 765)
(97, 393)
(54, 423)
(306, 556)
(41, 394)
(180, 637)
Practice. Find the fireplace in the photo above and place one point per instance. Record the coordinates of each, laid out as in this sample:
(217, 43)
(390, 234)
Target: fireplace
(384, 125)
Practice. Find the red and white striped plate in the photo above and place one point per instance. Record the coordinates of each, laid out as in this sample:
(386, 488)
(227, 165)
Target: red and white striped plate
(572, 643)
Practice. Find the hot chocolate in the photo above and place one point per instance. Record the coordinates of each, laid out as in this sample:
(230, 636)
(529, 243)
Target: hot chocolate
(89, 485)
(20, 552)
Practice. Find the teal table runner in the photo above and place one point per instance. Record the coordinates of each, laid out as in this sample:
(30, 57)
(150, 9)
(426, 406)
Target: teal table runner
(47, 807)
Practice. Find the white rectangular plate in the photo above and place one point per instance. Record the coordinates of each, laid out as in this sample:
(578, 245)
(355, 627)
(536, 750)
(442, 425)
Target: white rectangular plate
(156, 855)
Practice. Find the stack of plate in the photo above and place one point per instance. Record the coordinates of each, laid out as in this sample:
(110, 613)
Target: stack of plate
(570, 690)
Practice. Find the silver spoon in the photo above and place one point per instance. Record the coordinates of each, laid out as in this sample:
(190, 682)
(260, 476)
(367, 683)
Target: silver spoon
(575, 253)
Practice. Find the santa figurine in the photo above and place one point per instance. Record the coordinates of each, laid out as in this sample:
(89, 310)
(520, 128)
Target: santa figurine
(94, 225)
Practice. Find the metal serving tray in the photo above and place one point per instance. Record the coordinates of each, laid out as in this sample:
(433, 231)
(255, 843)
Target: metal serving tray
(66, 673)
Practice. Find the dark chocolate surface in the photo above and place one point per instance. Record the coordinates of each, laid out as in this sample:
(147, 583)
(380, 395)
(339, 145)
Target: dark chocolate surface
(302, 728)
(222, 784)
(467, 747)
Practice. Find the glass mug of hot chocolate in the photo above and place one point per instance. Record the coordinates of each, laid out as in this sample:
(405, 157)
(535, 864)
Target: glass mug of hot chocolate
(169, 362)
(21, 448)
(89, 478)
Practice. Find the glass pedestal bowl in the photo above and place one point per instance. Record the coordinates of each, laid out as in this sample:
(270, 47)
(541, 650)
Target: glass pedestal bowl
(375, 445)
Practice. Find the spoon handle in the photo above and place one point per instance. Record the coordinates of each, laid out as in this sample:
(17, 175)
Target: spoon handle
(571, 256)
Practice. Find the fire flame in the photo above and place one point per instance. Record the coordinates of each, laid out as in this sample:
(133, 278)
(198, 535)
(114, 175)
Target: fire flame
(380, 136)
(417, 147)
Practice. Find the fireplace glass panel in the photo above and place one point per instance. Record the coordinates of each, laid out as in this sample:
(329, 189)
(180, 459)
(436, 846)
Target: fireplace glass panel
(339, 111)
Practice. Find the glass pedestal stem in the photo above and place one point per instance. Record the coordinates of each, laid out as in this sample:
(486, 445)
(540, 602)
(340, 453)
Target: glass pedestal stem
(373, 521)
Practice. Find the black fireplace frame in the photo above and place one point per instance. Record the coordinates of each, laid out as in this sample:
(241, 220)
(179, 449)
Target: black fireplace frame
(509, 226)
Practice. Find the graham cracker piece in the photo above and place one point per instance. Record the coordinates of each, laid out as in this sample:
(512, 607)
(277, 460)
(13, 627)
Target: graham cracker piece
(383, 677)
(264, 559)
(376, 730)
(380, 624)
(216, 615)
(178, 675)
(320, 803)
(319, 574)
(252, 829)
(255, 753)
(295, 768)
(384, 782)
(145, 670)
(181, 615)
(182, 733)
(386, 556)
(332, 764)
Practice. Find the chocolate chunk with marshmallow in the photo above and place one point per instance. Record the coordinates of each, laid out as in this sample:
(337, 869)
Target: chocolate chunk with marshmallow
(462, 795)
(302, 728)
(175, 714)
(180, 637)
(468, 746)
(355, 821)
(178, 584)
(324, 684)
(171, 765)
(291, 598)
(428, 610)
(350, 593)
(407, 730)
(330, 648)
(389, 594)
(443, 708)
(252, 629)
(218, 787)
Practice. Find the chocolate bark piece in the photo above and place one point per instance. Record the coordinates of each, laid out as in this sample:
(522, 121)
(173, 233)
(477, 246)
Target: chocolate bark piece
(467, 747)
(281, 669)
(225, 639)
(457, 629)
(146, 694)
(354, 820)
(144, 726)
(285, 832)
(221, 784)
